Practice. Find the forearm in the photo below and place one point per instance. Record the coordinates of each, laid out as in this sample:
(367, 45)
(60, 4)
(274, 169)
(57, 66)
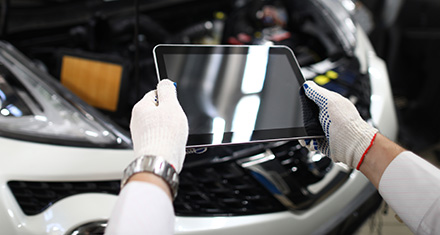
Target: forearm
(380, 155)
(141, 208)
(411, 186)
(152, 179)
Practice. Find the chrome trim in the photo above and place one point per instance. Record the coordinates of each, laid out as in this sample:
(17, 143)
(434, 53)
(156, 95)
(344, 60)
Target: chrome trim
(341, 22)
(95, 228)
(283, 184)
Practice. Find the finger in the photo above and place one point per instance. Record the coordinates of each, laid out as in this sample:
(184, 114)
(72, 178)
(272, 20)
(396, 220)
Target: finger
(140, 108)
(149, 99)
(304, 143)
(317, 94)
(310, 144)
(312, 89)
(323, 146)
(310, 147)
(166, 92)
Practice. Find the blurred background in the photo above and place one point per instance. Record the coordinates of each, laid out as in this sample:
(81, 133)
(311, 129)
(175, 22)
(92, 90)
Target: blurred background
(407, 36)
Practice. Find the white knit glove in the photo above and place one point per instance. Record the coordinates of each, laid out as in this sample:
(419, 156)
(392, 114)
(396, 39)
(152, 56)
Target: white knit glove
(348, 136)
(159, 126)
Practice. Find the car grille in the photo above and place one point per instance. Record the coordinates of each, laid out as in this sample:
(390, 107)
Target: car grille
(35, 197)
(223, 184)
(225, 189)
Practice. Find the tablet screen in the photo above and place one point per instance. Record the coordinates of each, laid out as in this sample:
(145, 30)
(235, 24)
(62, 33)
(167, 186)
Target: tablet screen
(238, 94)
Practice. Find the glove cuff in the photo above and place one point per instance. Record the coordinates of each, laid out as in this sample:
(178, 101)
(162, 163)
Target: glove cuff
(157, 145)
(366, 151)
(364, 135)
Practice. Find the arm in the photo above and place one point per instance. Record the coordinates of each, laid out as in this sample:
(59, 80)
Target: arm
(411, 186)
(379, 156)
(152, 179)
(349, 139)
(141, 208)
(159, 130)
(407, 182)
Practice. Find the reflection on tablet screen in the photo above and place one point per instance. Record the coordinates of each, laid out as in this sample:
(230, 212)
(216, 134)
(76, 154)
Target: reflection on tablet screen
(236, 94)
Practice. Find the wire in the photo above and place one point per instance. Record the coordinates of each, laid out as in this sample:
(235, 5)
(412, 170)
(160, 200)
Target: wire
(136, 48)
(4, 18)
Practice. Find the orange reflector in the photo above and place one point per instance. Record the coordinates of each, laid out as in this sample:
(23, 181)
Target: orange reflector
(95, 82)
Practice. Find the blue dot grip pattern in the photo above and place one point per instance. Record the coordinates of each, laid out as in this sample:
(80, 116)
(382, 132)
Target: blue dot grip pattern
(324, 119)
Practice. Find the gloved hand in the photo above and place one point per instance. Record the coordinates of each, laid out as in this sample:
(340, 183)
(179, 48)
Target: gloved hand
(347, 136)
(159, 126)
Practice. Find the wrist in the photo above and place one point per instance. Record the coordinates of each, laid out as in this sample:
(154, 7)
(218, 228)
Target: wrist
(173, 156)
(366, 151)
(381, 154)
(151, 178)
(352, 142)
(153, 165)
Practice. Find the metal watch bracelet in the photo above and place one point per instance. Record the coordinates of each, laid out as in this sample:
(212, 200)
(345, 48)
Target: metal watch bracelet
(155, 165)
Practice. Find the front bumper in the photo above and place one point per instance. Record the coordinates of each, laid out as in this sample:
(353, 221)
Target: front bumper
(79, 164)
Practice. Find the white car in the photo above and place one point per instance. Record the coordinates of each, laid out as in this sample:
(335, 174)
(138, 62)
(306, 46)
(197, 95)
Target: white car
(61, 160)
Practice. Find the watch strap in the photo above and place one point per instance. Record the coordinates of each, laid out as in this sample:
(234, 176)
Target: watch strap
(155, 165)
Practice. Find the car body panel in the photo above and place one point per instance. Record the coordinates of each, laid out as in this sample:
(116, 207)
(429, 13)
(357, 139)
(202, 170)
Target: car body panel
(382, 107)
(71, 163)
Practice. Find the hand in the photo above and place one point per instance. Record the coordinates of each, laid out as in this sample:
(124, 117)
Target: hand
(159, 126)
(347, 135)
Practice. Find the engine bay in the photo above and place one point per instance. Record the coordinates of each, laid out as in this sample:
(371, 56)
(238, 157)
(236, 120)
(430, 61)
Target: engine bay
(104, 32)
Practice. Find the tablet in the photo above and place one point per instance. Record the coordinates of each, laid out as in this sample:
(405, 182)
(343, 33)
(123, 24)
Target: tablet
(239, 94)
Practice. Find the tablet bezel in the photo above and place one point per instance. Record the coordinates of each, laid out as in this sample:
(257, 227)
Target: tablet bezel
(268, 135)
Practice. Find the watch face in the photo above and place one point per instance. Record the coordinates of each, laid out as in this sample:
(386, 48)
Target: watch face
(238, 94)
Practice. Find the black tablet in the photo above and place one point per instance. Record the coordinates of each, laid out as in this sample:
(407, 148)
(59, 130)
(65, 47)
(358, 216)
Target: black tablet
(239, 94)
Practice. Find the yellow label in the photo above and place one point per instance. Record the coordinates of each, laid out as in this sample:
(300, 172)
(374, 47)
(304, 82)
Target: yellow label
(321, 80)
(332, 74)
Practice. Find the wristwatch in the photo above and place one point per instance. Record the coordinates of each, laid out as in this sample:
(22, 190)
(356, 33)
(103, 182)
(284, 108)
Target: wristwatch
(155, 165)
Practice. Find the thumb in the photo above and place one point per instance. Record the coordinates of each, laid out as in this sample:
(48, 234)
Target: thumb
(310, 88)
(166, 92)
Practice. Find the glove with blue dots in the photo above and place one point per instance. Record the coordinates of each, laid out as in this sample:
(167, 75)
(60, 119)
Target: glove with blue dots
(347, 135)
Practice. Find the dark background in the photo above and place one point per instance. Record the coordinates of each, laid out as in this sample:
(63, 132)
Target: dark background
(411, 48)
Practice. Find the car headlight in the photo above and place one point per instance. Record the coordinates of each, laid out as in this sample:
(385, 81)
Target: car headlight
(33, 106)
